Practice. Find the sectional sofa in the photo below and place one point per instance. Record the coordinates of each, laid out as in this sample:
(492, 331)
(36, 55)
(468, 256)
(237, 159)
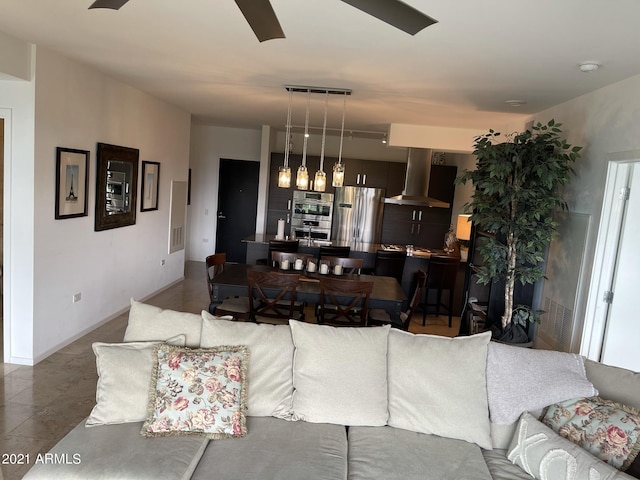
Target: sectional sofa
(200, 397)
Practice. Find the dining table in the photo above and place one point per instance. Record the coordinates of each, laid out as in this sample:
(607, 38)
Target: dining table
(386, 294)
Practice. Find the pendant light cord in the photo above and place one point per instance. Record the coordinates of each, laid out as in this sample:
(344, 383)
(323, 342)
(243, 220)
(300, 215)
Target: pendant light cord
(287, 147)
(306, 131)
(324, 130)
(344, 107)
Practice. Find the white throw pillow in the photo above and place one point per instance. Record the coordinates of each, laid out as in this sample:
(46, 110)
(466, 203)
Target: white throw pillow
(124, 378)
(148, 323)
(340, 374)
(437, 385)
(271, 366)
(545, 455)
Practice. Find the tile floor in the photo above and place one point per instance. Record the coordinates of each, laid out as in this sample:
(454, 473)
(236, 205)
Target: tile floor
(39, 405)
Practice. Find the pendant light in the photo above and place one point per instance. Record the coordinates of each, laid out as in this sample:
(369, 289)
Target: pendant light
(320, 180)
(284, 171)
(302, 177)
(338, 168)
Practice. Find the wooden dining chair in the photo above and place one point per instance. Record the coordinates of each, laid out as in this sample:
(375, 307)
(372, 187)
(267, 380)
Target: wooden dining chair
(214, 265)
(441, 276)
(236, 307)
(272, 296)
(378, 316)
(344, 302)
(334, 251)
(390, 264)
(278, 246)
(350, 265)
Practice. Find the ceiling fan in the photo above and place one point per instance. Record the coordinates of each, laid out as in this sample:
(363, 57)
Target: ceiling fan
(264, 23)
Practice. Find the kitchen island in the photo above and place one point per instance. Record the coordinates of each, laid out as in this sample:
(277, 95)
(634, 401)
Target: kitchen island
(258, 248)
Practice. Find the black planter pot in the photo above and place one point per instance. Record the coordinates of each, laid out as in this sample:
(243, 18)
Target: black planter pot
(513, 334)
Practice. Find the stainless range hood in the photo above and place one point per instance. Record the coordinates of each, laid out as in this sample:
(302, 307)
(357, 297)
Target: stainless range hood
(416, 181)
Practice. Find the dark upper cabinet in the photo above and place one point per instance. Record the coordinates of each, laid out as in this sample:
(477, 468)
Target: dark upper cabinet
(413, 225)
(442, 182)
(395, 178)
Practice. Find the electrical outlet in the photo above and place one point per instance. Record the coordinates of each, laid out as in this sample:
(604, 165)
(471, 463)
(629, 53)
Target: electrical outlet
(162, 262)
(77, 297)
(206, 211)
(205, 240)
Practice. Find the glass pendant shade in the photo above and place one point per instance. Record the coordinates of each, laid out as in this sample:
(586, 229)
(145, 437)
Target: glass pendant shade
(284, 176)
(302, 178)
(338, 175)
(320, 181)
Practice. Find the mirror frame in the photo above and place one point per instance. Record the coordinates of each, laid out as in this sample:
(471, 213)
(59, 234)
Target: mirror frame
(106, 153)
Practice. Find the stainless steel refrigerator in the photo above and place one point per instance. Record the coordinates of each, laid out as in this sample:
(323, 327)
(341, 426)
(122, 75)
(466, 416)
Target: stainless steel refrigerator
(357, 215)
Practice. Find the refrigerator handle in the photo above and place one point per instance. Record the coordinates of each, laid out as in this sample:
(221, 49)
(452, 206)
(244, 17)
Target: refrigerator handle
(419, 217)
(288, 218)
(418, 229)
(289, 204)
(358, 180)
(413, 225)
(364, 178)
(413, 215)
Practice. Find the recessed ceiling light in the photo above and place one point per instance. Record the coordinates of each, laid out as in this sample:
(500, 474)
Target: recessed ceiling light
(589, 67)
(515, 103)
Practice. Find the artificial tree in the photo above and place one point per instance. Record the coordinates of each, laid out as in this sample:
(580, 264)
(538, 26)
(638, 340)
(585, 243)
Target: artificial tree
(516, 193)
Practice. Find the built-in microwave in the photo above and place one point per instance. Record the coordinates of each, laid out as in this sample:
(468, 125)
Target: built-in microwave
(311, 215)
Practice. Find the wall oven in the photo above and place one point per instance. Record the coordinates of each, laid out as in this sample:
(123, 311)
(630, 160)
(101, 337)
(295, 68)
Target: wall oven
(311, 215)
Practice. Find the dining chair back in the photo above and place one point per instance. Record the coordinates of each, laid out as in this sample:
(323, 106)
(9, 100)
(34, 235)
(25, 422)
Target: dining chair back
(290, 257)
(378, 316)
(272, 296)
(350, 265)
(334, 251)
(441, 276)
(390, 263)
(214, 265)
(278, 246)
(344, 302)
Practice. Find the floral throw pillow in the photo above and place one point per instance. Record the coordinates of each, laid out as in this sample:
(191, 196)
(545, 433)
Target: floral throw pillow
(198, 392)
(607, 430)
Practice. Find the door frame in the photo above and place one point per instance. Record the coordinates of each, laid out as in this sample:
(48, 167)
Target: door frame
(609, 231)
(5, 114)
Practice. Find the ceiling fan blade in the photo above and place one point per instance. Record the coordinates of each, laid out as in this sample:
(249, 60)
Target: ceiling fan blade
(262, 19)
(112, 4)
(396, 13)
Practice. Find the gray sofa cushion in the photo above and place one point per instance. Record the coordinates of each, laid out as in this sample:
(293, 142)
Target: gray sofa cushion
(393, 453)
(119, 452)
(276, 449)
(501, 467)
(614, 383)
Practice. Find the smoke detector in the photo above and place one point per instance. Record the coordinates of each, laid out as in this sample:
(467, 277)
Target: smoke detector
(588, 67)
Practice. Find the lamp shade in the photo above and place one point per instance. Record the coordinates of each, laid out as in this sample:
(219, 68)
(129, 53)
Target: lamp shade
(463, 228)
(284, 176)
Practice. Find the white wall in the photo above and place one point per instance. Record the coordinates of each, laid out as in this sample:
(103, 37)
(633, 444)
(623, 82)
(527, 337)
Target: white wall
(17, 99)
(603, 122)
(77, 107)
(208, 145)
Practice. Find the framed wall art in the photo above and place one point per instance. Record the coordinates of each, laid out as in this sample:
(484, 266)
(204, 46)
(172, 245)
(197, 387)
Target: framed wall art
(116, 186)
(150, 183)
(72, 175)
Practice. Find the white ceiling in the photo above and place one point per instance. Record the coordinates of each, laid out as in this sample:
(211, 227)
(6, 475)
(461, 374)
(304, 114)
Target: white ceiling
(201, 55)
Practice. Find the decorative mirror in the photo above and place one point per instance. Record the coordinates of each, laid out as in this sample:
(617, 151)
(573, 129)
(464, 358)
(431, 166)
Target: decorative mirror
(116, 186)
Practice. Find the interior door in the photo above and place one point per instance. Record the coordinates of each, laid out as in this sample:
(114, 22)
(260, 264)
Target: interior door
(237, 207)
(622, 326)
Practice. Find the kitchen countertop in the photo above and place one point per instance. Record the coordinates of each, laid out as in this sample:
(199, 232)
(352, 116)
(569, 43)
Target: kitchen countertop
(355, 246)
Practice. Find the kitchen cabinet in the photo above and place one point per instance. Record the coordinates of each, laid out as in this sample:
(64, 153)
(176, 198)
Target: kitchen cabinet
(442, 182)
(395, 178)
(412, 225)
(377, 174)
